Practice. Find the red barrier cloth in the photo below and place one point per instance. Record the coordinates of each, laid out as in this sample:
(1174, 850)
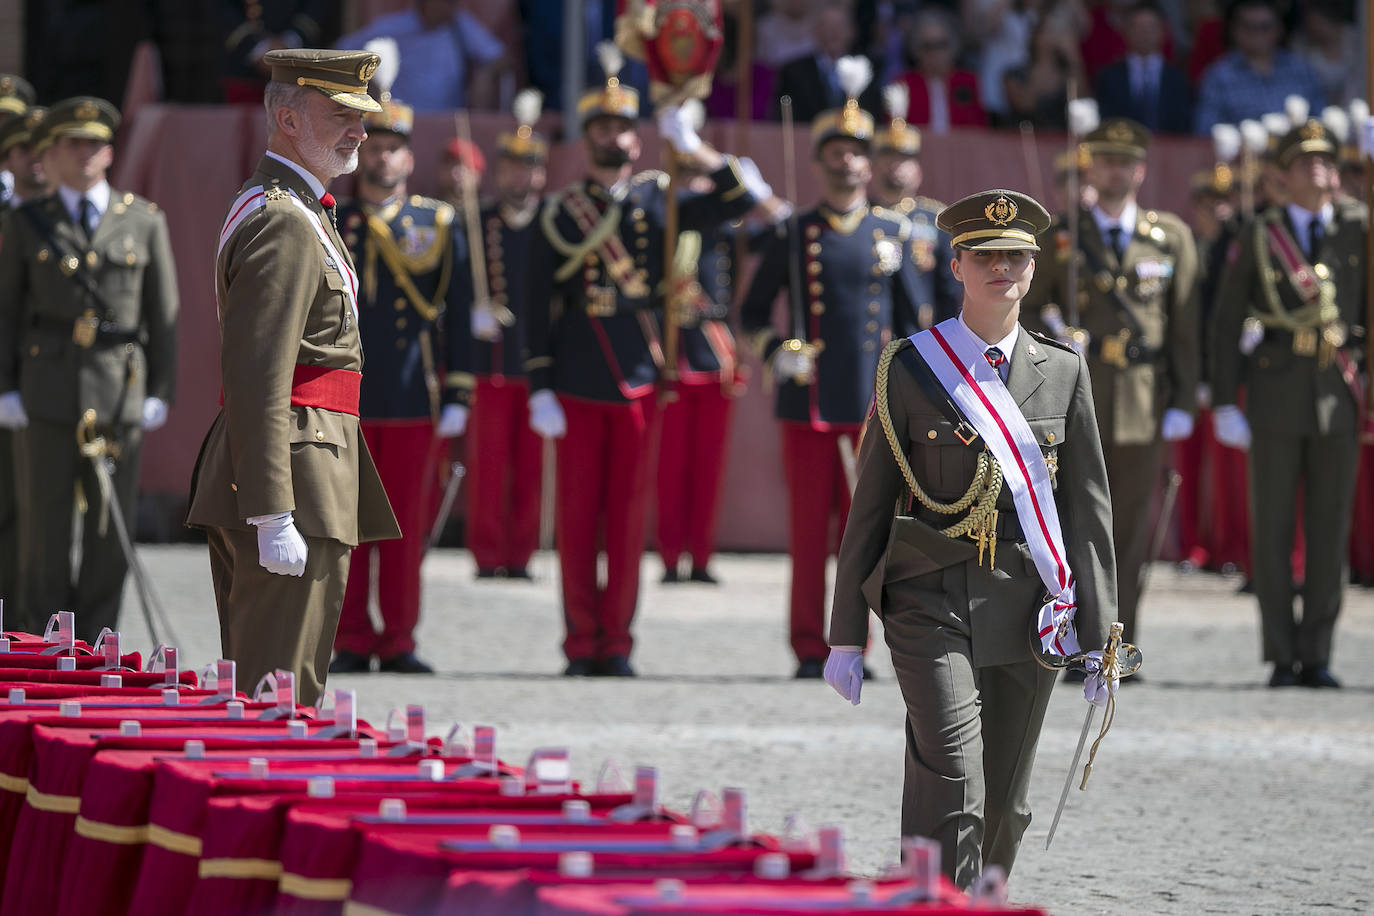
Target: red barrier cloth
(31, 661)
(603, 469)
(817, 498)
(1362, 524)
(505, 475)
(27, 679)
(691, 469)
(406, 453)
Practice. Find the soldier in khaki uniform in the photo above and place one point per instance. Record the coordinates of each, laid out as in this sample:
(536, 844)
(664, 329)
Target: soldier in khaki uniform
(960, 615)
(1291, 298)
(284, 485)
(1137, 307)
(88, 304)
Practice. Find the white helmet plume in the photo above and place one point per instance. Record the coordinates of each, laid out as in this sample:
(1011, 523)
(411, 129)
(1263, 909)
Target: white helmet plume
(1083, 116)
(1255, 136)
(527, 106)
(1226, 141)
(898, 99)
(854, 73)
(610, 56)
(1338, 122)
(1297, 108)
(388, 64)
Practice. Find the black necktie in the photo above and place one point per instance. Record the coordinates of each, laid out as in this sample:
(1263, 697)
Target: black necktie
(1315, 232)
(1115, 233)
(997, 360)
(89, 220)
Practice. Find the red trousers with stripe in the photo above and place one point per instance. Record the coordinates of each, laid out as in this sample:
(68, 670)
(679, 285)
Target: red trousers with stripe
(505, 461)
(603, 497)
(817, 497)
(691, 467)
(406, 453)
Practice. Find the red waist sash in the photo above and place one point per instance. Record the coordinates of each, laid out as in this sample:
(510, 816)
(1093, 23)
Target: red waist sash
(327, 389)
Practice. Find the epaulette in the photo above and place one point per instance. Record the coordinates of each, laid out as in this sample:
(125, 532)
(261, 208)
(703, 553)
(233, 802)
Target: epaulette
(903, 224)
(1050, 341)
(424, 203)
(929, 203)
(656, 176)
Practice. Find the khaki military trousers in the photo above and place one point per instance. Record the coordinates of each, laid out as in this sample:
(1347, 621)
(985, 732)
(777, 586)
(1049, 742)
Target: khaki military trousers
(1132, 476)
(971, 732)
(267, 621)
(1323, 469)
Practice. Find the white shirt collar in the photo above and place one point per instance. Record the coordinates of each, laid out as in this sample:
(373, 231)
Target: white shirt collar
(1301, 218)
(1126, 221)
(299, 169)
(99, 196)
(1007, 344)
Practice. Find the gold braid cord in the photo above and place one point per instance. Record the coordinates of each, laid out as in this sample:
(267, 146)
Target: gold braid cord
(981, 494)
(1314, 314)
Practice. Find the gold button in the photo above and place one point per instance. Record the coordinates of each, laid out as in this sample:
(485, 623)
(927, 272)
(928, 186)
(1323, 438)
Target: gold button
(496, 267)
(722, 280)
(498, 283)
(319, 435)
(813, 268)
(401, 344)
(871, 327)
(33, 350)
(130, 259)
(641, 226)
(872, 308)
(639, 259)
(42, 255)
(813, 231)
(813, 248)
(641, 243)
(876, 270)
(400, 304)
(400, 323)
(875, 287)
(816, 288)
(817, 308)
(637, 213)
(93, 260)
(868, 346)
(1049, 437)
(234, 487)
(932, 434)
(590, 260)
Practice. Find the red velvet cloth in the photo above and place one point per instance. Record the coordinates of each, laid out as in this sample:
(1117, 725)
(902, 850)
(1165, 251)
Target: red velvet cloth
(36, 662)
(1362, 524)
(505, 475)
(90, 678)
(691, 470)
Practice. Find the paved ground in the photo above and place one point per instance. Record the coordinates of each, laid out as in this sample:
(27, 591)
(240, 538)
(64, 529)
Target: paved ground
(1212, 794)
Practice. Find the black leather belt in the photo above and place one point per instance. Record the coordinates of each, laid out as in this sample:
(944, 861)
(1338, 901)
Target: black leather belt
(106, 332)
(1121, 350)
(1008, 525)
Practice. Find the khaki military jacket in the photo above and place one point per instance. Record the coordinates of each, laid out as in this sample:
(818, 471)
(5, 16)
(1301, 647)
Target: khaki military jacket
(884, 546)
(281, 303)
(130, 350)
(1292, 389)
(1156, 278)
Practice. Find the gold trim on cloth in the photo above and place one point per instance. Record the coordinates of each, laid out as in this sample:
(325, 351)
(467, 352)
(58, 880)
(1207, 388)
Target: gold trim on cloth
(14, 783)
(353, 908)
(315, 888)
(1018, 234)
(250, 869)
(112, 833)
(60, 804)
(172, 841)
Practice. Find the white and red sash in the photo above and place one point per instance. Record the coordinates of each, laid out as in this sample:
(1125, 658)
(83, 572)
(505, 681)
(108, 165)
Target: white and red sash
(957, 358)
(255, 198)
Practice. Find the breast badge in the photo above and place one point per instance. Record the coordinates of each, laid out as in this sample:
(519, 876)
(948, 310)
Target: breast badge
(889, 255)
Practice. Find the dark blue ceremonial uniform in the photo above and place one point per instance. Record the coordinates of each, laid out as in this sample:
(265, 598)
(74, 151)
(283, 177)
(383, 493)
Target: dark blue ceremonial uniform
(507, 243)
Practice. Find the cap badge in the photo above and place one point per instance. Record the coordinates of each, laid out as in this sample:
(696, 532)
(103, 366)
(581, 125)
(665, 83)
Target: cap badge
(1313, 130)
(1000, 212)
(1120, 133)
(87, 111)
(367, 68)
(6, 84)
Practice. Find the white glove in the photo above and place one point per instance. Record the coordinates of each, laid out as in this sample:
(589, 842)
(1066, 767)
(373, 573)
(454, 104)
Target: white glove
(546, 415)
(1251, 333)
(12, 414)
(1230, 427)
(453, 421)
(484, 325)
(154, 414)
(793, 365)
(1095, 690)
(1177, 425)
(281, 549)
(752, 179)
(844, 670)
(676, 126)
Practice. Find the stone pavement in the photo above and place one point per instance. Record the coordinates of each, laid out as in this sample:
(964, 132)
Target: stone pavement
(1212, 794)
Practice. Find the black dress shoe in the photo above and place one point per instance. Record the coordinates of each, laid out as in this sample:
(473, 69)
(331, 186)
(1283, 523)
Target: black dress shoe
(487, 572)
(1283, 676)
(700, 574)
(670, 576)
(346, 662)
(582, 667)
(810, 668)
(617, 666)
(519, 573)
(1318, 676)
(405, 663)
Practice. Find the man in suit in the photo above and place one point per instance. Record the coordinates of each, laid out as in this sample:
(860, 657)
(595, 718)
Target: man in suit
(1137, 304)
(858, 282)
(1143, 86)
(597, 275)
(505, 457)
(414, 295)
(812, 80)
(1288, 320)
(88, 305)
(959, 615)
(285, 486)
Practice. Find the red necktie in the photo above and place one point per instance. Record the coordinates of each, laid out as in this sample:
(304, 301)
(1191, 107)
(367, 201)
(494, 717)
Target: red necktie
(995, 359)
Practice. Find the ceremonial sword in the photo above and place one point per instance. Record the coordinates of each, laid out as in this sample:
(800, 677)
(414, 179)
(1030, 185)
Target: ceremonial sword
(1112, 668)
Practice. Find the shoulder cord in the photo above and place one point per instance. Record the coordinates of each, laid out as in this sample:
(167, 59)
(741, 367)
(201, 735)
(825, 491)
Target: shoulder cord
(987, 477)
(1310, 315)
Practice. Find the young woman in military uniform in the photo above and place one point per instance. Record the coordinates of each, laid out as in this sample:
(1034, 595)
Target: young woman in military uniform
(981, 488)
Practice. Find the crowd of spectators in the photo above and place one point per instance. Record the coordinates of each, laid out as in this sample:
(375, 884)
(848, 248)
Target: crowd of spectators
(1178, 66)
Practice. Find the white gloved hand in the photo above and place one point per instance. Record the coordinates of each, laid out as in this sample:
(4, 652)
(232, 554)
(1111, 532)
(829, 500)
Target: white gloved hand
(12, 415)
(752, 179)
(844, 670)
(484, 325)
(1230, 427)
(1096, 690)
(1176, 425)
(675, 124)
(281, 549)
(1251, 333)
(793, 365)
(452, 422)
(546, 415)
(154, 414)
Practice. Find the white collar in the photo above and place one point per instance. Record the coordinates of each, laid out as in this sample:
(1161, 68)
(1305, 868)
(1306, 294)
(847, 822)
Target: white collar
(1007, 344)
(300, 170)
(1127, 220)
(99, 196)
(1302, 218)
